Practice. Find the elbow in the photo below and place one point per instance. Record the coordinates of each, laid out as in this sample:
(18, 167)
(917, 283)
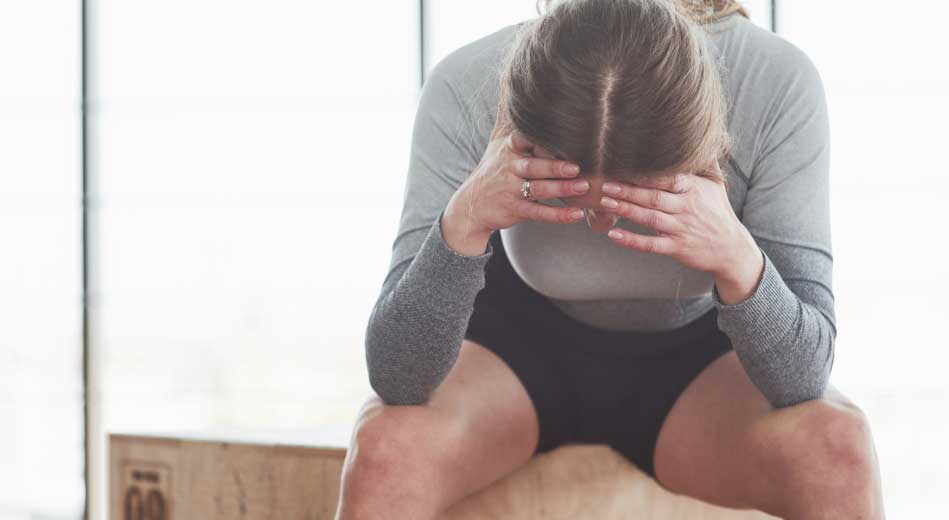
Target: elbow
(393, 389)
(798, 393)
(402, 370)
(810, 383)
(390, 378)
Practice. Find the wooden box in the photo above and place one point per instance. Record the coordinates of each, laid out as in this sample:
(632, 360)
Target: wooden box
(168, 478)
(215, 477)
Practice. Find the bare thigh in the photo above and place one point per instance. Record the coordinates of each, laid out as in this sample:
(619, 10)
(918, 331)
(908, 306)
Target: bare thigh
(478, 426)
(722, 441)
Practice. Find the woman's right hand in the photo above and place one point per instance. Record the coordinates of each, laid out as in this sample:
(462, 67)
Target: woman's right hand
(490, 198)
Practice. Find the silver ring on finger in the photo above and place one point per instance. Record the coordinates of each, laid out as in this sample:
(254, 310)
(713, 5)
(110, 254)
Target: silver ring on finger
(526, 190)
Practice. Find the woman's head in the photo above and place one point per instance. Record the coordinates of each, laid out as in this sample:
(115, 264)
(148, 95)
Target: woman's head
(624, 88)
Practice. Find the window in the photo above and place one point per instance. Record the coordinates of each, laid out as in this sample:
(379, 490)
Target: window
(888, 97)
(246, 164)
(231, 142)
(449, 25)
(41, 401)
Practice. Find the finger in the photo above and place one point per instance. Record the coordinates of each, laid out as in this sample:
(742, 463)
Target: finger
(648, 197)
(554, 189)
(676, 183)
(543, 213)
(540, 151)
(519, 144)
(716, 171)
(651, 218)
(715, 175)
(647, 244)
(537, 168)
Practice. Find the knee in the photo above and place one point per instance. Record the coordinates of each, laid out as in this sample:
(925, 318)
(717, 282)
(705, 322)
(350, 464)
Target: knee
(829, 449)
(393, 446)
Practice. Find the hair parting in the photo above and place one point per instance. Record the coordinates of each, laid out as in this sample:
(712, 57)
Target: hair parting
(622, 87)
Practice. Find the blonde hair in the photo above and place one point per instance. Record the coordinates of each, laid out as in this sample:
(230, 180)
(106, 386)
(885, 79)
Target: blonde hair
(702, 11)
(618, 86)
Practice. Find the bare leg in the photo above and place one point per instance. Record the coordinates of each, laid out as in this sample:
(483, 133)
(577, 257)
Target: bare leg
(416, 461)
(723, 443)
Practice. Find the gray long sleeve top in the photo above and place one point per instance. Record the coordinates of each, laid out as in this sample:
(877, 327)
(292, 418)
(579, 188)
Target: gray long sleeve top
(778, 186)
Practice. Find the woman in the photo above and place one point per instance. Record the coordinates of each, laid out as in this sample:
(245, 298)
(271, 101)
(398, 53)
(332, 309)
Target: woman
(695, 338)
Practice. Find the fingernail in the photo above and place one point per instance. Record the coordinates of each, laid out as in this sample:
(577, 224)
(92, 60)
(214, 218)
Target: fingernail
(608, 202)
(611, 188)
(581, 185)
(572, 169)
(577, 214)
(614, 234)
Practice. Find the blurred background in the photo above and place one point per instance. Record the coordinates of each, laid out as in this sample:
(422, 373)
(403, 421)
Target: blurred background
(223, 143)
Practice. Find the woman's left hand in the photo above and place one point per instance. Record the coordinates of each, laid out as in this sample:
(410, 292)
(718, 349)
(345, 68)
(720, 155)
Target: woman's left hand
(694, 221)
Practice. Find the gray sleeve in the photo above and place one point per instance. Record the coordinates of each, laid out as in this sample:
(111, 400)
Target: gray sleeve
(784, 333)
(419, 320)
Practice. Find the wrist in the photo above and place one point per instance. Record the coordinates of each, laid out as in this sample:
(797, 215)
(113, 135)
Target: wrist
(461, 234)
(739, 279)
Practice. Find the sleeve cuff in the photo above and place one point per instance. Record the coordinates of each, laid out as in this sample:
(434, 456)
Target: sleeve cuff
(754, 295)
(767, 315)
(443, 265)
(447, 249)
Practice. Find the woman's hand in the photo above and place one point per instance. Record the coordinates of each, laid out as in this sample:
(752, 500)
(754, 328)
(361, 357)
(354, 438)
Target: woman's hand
(490, 198)
(695, 224)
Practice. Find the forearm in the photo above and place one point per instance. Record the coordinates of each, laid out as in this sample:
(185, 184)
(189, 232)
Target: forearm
(742, 276)
(784, 332)
(786, 345)
(418, 323)
(459, 235)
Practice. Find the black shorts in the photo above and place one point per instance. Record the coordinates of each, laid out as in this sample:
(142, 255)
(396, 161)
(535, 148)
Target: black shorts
(589, 385)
